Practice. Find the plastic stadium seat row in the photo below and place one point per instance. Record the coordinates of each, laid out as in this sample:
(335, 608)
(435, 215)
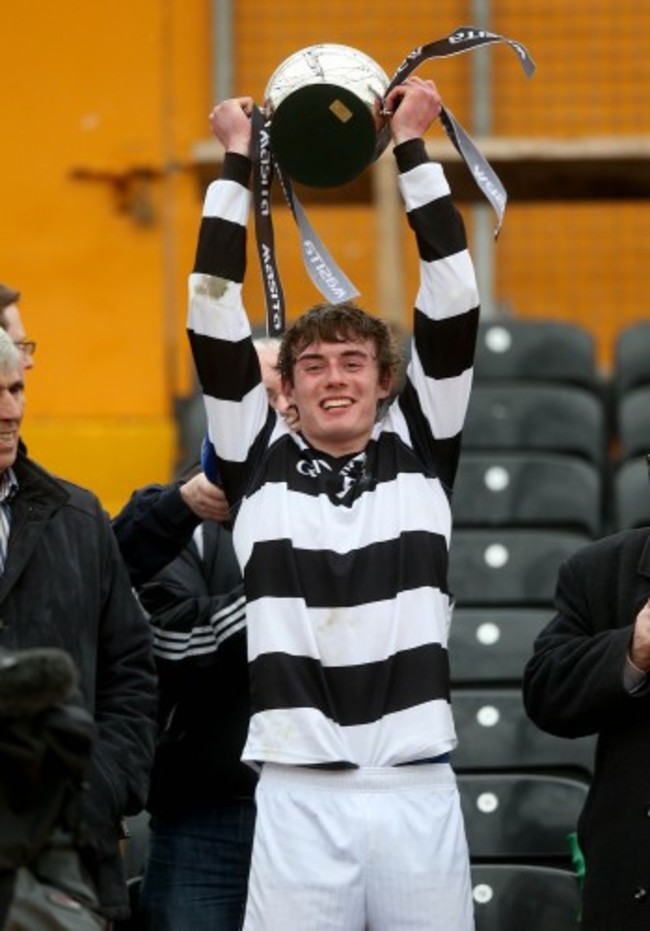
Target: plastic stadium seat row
(522, 415)
(537, 349)
(521, 816)
(504, 566)
(495, 734)
(523, 897)
(491, 645)
(528, 489)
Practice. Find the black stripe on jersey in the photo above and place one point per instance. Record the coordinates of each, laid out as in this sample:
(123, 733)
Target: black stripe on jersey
(446, 347)
(410, 154)
(440, 455)
(226, 370)
(236, 167)
(221, 249)
(351, 695)
(309, 472)
(326, 579)
(440, 232)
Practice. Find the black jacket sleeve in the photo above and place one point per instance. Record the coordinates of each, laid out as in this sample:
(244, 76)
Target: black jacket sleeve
(574, 682)
(196, 604)
(152, 529)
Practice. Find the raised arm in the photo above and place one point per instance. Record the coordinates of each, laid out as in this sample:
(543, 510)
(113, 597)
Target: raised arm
(439, 375)
(220, 335)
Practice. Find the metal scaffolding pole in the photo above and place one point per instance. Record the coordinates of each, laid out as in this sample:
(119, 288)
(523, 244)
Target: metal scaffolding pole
(481, 103)
(222, 49)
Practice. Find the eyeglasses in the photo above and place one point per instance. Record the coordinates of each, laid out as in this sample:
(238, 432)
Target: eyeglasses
(26, 346)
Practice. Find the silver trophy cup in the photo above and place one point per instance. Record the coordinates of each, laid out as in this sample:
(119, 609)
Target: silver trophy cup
(324, 107)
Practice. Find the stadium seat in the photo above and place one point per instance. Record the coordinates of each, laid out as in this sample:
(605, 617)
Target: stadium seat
(537, 349)
(521, 816)
(633, 422)
(491, 645)
(495, 734)
(508, 567)
(532, 416)
(631, 363)
(527, 489)
(631, 506)
(521, 897)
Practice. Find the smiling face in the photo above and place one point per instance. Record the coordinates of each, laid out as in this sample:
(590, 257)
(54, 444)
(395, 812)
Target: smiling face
(12, 405)
(337, 389)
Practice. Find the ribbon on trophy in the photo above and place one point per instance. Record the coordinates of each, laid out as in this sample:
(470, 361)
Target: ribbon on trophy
(462, 40)
(323, 270)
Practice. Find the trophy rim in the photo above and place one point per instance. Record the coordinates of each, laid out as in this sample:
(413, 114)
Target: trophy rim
(301, 55)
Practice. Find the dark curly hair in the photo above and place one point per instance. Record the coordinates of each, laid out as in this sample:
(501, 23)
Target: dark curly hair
(339, 323)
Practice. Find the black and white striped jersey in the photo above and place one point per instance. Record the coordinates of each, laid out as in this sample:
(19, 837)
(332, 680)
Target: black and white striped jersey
(344, 560)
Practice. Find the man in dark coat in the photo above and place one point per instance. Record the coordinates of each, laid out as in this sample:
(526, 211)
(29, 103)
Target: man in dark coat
(589, 675)
(63, 584)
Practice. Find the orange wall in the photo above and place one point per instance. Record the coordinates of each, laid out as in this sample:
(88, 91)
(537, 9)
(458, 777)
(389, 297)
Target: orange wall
(91, 93)
(102, 105)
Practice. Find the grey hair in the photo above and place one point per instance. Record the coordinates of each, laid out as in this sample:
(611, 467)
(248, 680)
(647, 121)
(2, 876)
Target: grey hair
(9, 355)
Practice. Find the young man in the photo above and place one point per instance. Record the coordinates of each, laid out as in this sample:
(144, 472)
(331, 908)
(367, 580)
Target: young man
(63, 584)
(342, 533)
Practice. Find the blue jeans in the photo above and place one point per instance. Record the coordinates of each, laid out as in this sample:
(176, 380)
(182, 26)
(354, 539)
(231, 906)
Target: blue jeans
(196, 875)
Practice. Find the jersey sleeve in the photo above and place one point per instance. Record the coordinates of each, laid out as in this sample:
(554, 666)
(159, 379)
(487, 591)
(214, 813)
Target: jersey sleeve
(219, 331)
(439, 374)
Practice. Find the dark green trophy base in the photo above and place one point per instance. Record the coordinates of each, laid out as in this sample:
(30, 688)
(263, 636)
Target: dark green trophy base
(323, 135)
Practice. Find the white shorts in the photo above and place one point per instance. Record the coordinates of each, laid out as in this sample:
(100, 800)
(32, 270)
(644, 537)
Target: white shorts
(359, 850)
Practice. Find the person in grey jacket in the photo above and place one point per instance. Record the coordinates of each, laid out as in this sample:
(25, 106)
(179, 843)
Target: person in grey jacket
(63, 584)
(589, 675)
